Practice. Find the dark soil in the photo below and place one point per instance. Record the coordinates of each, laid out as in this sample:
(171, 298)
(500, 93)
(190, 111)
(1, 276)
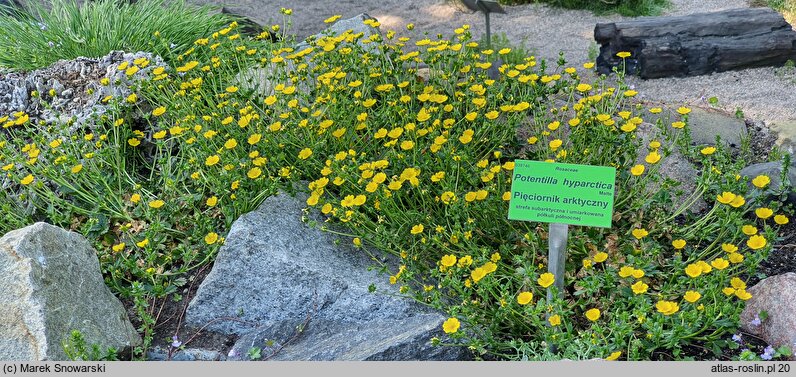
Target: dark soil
(170, 320)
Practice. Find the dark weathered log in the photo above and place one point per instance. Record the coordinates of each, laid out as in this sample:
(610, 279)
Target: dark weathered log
(696, 44)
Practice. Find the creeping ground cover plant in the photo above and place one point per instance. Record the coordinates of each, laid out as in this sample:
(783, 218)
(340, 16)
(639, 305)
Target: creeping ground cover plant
(407, 144)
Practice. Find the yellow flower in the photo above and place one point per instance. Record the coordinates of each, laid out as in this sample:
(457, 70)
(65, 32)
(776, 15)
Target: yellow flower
(637, 170)
(781, 219)
(593, 314)
(332, 19)
(230, 144)
(719, 263)
(451, 325)
(142, 243)
(678, 124)
(692, 296)
(134, 142)
(27, 180)
(667, 307)
(639, 287)
(738, 201)
(478, 274)
(652, 158)
(683, 110)
(726, 197)
(554, 320)
(156, 204)
(555, 144)
(623, 54)
(600, 257)
(211, 238)
(118, 247)
(583, 87)
(448, 260)
(679, 244)
(254, 172)
(546, 279)
(708, 151)
(761, 181)
(417, 229)
(77, 168)
(135, 198)
(735, 258)
(749, 230)
(756, 242)
(212, 201)
(693, 270)
(212, 160)
(626, 271)
(737, 283)
(524, 298)
(640, 233)
(159, 111)
(764, 212)
(704, 266)
(742, 294)
(614, 356)
(728, 291)
(305, 153)
(728, 247)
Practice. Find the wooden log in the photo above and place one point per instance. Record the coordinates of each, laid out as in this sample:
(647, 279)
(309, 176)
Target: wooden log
(696, 44)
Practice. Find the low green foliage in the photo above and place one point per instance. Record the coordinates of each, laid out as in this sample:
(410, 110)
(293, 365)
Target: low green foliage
(65, 31)
(76, 349)
(419, 165)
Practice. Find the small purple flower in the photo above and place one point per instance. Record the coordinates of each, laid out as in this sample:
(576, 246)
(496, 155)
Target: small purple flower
(175, 341)
(737, 338)
(756, 321)
(768, 353)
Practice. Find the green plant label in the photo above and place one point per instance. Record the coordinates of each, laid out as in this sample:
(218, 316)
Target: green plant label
(562, 193)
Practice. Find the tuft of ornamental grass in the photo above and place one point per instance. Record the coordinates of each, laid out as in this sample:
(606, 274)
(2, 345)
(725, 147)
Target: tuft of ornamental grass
(39, 36)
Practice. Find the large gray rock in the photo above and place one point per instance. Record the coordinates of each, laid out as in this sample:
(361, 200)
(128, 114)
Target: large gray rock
(776, 296)
(675, 167)
(696, 44)
(705, 124)
(275, 274)
(355, 25)
(263, 79)
(50, 285)
(774, 171)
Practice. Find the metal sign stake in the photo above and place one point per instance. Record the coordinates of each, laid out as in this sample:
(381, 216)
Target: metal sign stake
(487, 7)
(557, 256)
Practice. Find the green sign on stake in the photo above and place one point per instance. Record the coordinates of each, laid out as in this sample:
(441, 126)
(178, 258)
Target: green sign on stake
(561, 194)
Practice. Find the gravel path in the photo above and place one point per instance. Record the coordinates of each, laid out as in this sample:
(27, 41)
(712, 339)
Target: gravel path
(764, 94)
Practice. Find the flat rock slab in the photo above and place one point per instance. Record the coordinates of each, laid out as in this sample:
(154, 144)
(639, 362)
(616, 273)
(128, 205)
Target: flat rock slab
(696, 44)
(786, 133)
(705, 124)
(50, 285)
(777, 296)
(274, 271)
